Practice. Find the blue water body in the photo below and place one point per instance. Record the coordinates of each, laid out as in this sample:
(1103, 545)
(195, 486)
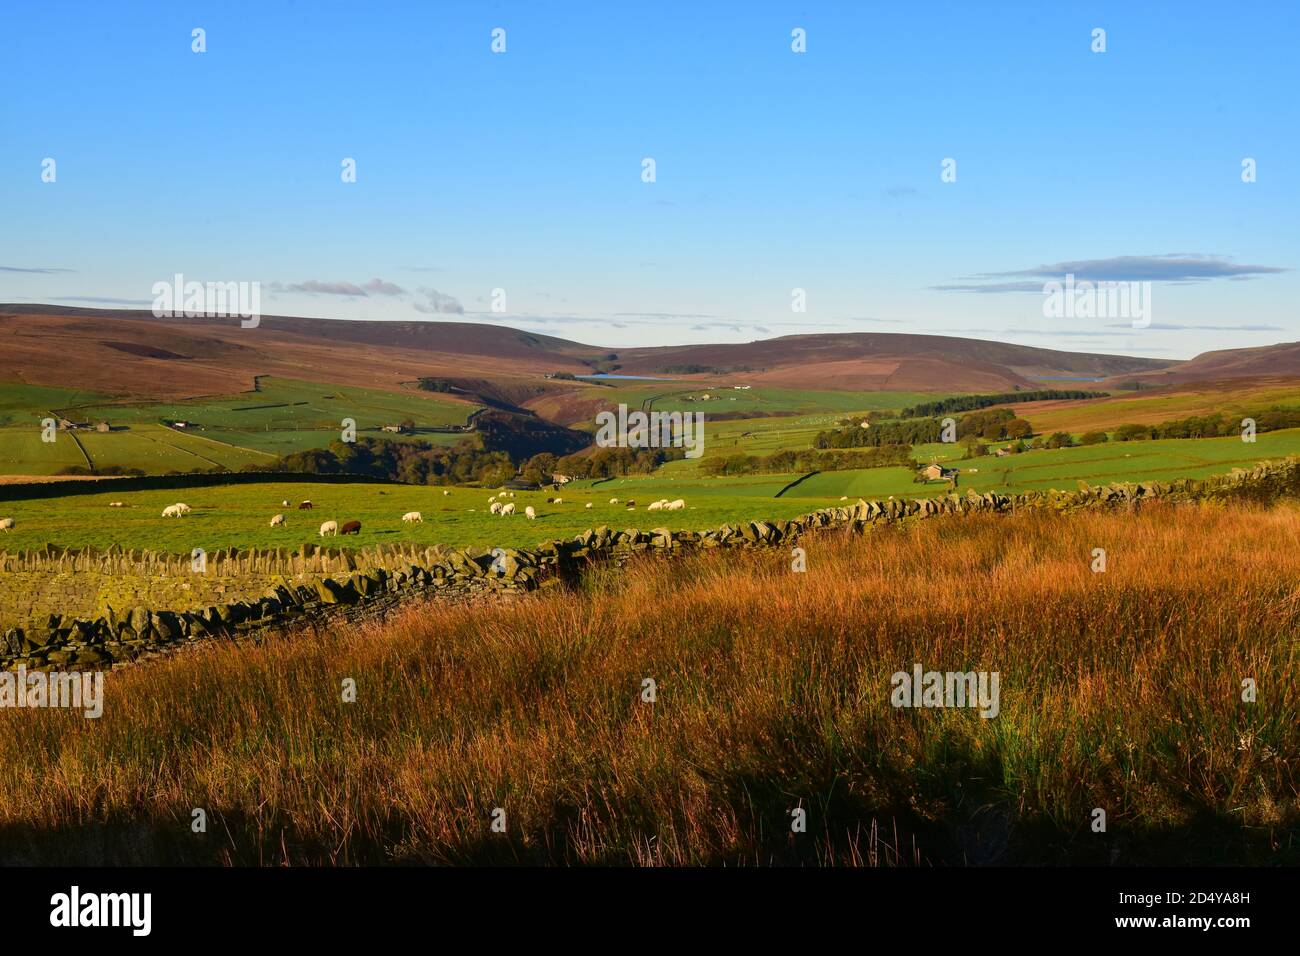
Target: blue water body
(639, 378)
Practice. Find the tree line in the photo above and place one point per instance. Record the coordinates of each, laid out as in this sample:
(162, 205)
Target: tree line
(969, 403)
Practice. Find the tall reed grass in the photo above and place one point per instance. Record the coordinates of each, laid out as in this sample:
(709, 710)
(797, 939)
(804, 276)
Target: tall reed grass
(1120, 690)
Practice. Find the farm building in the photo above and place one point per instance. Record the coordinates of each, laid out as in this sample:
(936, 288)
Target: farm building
(393, 428)
(938, 473)
(103, 427)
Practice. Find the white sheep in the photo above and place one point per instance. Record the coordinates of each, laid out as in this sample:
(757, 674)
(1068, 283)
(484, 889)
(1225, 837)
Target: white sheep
(284, 504)
(529, 513)
(278, 521)
(171, 511)
(508, 508)
(588, 504)
(677, 505)
(559, 501)
(613, 501)
(445, 493)
(413, 517)
(115, 504)
(657, 505)
(496, 507)
(183, 508)
(492, 499)
(329, 527)
(6, 525)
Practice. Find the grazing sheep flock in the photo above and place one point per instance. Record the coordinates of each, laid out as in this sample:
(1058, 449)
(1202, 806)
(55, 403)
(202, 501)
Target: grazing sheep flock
(497, 506)
(663, 504)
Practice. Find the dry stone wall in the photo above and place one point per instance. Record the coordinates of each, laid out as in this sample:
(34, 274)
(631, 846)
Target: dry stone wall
(314, 585)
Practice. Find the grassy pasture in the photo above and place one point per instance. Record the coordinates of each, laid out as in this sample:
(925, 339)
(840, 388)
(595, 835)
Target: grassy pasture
(759, 400)
(288, 405)
(283, 416)
(155, 449)
(239, 515)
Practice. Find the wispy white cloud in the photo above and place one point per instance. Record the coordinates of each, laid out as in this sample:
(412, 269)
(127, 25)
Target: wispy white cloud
(1174, 267)
(438, 303)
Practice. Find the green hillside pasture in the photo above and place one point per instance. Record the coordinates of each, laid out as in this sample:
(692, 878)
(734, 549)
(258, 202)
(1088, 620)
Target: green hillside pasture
(158, 449)
(290, 414)
(756, 401)
(22, 404)
(1061, 468)
(288, 441)
(152, 448)
(23, 453)
(239, 515)
(757, 436)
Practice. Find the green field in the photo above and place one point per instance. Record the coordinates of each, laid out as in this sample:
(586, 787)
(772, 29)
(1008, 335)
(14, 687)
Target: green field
(239, 514)
(283, 416)
(155, 449)
(760, 400)
(22, 404)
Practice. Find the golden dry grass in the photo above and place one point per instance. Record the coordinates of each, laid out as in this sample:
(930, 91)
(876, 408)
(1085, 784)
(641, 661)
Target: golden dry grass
(1119, 690)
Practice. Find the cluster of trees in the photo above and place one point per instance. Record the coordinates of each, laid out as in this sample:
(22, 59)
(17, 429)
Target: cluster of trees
(1210, 426)
(522, 436)
(115, 470)
(968, 403)
(601, 463)
(691, 368)
(435, 385)
(414, 462)
(998, 424)
(808, 460)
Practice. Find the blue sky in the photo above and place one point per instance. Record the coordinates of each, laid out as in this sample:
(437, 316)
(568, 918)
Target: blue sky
(774, 170)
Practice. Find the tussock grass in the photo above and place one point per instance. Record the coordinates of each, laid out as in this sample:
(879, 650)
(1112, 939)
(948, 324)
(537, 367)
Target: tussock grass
(1119, 690)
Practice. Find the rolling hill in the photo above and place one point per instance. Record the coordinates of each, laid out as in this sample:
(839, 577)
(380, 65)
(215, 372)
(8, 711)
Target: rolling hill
(132, 353)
